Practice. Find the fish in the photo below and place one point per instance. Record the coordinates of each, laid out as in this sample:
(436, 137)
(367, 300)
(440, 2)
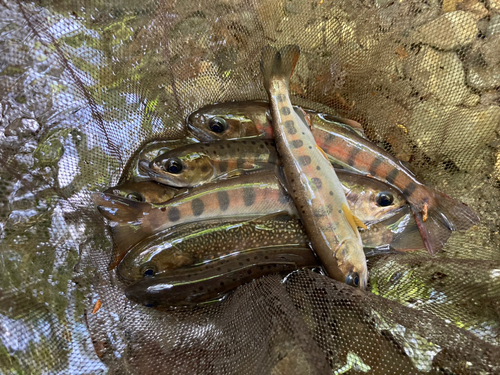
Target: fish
(310, 178)
(251, 119)
(213, 280)
(244, 196)
(200, 163)
(208, 241)
(193, 244)
(144, 191)
(435, 212)
(371, 200)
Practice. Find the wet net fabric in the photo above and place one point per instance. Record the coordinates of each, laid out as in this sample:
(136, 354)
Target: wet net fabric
(84, 84)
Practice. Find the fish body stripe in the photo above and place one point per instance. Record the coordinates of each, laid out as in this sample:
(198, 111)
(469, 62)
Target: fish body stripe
(197, 206)
(248, 196)
(223, 198)
(223, 164)
(374, 166)
(410, 189)
(351, 158)
(391, 177)
(174, 214)
(285, 111)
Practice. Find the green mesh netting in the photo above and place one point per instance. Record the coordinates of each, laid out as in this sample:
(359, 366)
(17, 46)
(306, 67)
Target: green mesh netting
(84, 84)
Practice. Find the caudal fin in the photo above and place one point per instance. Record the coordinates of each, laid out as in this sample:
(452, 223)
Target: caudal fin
(280, 64)
(125, 218)
(444, 216)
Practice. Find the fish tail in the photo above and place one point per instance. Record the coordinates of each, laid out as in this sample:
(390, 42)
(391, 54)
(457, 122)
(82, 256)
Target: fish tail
(119, 209)
(280, 64)
(125, 236)
(442, 216)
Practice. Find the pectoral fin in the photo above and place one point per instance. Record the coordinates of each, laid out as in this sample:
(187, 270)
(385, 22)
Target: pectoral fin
(353, 220)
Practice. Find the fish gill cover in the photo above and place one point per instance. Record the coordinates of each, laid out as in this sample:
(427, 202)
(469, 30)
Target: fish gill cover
(85, 83)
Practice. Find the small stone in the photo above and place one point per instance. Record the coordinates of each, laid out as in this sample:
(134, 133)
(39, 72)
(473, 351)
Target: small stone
(494, 26)
(483, 78)
(467, 132)
(438, 73)
(427, 126)
(490, 50)
(450, 31)
(493, 6)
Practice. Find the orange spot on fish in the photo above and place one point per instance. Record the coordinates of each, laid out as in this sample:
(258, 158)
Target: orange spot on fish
(97, 306)
(424, 216)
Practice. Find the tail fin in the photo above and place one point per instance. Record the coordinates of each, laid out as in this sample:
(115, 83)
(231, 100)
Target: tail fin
(125, 218)
(125, 236)
(278, 64)
(445, 215)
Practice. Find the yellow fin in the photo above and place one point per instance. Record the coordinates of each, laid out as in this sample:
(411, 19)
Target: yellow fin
(323, 153)
(353, 220)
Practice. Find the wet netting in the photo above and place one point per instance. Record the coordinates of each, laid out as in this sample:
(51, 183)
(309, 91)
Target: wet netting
(84, 84)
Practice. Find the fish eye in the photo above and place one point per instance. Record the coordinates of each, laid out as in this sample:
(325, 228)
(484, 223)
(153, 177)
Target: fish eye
(384, 199)
(352, 279)
(217, 125)
(173, 165)
(148, 270)
(136, 196)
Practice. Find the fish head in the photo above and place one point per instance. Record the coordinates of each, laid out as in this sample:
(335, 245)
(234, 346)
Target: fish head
(352, 263)
(182, 169)
(371, 200)
(144, 191)
(152, 257)
(230, 121)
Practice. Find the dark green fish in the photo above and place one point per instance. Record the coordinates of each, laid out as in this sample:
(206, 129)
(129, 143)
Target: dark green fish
(214, 279)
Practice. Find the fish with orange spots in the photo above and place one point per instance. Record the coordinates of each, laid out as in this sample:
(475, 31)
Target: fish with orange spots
(436, 214)
(199, 163)
(310, 178)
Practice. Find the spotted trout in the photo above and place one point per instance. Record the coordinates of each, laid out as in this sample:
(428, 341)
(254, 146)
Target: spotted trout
(200, 163)
(310, 178)
(208, 241)
(213, 280)
(435, 213)
(258, 194)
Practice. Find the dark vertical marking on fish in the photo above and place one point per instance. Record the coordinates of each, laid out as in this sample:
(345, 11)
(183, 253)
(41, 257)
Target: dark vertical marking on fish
(391, 177)
(290, 127)
(197, 206)
(410, 188)
(280, 98)
(223, 166)
(223, 198)
(174, 214)
(374, 166)
(240, 162)
(285, 111)
(248, 196)
(330, 138)
(351, 158)
(304, 160)
(284, 198)
(296, 144)
(317, 181)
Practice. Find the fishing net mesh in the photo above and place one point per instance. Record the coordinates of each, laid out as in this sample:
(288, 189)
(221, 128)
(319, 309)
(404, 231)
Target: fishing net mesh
(85, 83)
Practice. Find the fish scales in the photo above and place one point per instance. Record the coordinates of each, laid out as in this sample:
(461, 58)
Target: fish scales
(312, 182)
(200, 163)
(213, 280)
(435, 213)
(253, 195)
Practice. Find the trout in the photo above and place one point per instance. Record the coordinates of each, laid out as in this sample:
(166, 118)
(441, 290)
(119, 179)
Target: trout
(311, 179)
(436, 213)
(214, 280)
(200, 163)
(254, 195)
